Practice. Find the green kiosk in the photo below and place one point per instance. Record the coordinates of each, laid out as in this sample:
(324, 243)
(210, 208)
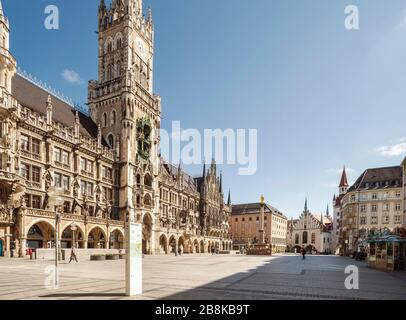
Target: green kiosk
(386, 251)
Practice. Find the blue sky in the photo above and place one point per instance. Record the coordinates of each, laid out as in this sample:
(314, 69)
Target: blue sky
(320, 96)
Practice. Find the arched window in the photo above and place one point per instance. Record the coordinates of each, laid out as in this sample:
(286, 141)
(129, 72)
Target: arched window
(138, 179)
(313, 238)
(119, 43)
(104, 120)
(304, 237)
(148, 180)
(118, 69)
(113, 118)
(147, 200)
(109, 75)
(110, 141)
(296, 239)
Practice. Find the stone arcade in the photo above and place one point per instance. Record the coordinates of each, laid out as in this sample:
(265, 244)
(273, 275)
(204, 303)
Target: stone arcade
(107, 161)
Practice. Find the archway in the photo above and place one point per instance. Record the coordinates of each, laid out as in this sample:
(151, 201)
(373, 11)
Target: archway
(96, 239)
(41, 235)
(196, 246)
(209, 247)
(172, 244)
(163, 244)
(116, 239)
(181, 244)
(310, 249)
(146, 234)
(68, 235)
(202, 246)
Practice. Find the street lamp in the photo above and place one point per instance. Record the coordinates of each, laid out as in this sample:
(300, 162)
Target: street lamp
(56, 201)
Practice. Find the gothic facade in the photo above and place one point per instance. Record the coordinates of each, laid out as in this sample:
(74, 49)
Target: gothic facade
(310, 231)
(107, 161)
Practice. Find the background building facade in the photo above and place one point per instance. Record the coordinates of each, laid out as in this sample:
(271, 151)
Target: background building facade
(374, 202)
(245, 226)
(312, 232)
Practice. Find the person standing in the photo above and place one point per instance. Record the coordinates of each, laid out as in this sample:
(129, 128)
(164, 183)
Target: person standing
(303, 253)
(73, 255)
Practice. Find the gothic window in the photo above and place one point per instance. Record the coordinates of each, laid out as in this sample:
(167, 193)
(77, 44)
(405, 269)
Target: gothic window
(104, 119)
(110, 73)
(118, 71)
(148, 180)
(110, 141)
(109, 45)
(119, 43)
(313, 238)
(113, 118)
(304, 237)
(147, 200)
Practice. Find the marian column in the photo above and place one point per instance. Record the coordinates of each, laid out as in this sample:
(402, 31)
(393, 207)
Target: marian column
(262, 224)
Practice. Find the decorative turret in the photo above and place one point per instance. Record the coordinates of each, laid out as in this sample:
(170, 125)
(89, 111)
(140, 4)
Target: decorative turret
(229, 198)
(149, 18)
(77, 125)
(8, 64)
(221, 182)
(49, 111)
(99, 137)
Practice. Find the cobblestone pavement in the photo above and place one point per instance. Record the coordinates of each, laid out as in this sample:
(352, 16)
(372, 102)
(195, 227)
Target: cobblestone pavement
(204, 277)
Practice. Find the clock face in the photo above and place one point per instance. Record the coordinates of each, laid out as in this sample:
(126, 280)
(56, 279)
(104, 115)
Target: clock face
(140, 47)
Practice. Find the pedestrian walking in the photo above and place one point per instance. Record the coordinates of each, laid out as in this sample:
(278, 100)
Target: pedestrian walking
(73, 255)
(304, 253)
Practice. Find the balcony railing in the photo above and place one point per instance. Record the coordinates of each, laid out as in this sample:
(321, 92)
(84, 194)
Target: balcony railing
(11, 177)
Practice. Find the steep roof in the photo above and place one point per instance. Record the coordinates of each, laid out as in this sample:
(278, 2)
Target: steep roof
(188, 181)
(254, 208)
(33, 97)
(344, 180)
(379, 178)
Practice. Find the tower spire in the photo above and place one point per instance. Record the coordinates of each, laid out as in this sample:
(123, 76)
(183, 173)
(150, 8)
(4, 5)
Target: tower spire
(343, 182)
(204, 171)
(229, 198)
(305, 206)
(221, 182)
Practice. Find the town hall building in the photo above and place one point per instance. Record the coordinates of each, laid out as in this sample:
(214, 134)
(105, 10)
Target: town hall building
(106, 159)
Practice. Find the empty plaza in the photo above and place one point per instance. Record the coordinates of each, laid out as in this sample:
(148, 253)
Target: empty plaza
(207, 277)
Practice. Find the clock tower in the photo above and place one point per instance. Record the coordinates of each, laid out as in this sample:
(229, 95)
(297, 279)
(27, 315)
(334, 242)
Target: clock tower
(123, 105)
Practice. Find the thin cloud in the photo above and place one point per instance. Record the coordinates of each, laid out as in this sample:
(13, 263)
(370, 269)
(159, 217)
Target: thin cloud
(395, 150)
(71, 76)
(400, 25)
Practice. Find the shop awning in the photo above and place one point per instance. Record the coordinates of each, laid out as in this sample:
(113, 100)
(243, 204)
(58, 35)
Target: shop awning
(389, 238)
